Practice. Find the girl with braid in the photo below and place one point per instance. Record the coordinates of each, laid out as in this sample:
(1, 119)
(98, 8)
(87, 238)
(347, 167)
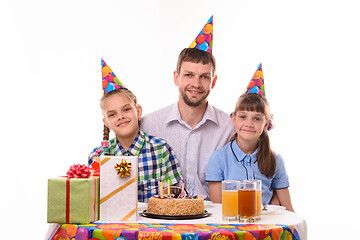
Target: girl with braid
(156, 159)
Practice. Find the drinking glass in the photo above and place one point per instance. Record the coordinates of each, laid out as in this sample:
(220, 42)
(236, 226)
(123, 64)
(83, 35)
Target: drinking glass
(258, 199)
(247, 201)
(230, 200)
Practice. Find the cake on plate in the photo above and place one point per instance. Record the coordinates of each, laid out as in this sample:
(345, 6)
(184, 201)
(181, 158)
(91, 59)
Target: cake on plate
(175, 205)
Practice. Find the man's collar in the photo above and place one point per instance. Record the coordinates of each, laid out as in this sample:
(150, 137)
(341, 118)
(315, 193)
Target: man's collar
(174, 114)
(210, 114)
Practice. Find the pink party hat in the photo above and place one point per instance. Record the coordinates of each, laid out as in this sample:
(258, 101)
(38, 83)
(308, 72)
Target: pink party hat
(256, 85)
(204, 40)
(109, 80)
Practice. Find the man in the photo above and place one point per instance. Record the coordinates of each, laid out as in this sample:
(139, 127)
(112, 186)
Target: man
(192, 127)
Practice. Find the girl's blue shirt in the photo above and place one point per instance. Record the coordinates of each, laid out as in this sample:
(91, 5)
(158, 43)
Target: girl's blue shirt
(223, 165)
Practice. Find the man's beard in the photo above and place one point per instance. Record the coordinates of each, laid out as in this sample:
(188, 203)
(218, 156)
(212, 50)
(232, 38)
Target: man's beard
(192, 103)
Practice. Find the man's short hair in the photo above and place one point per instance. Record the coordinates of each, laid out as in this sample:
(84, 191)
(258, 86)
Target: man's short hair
(195, 56)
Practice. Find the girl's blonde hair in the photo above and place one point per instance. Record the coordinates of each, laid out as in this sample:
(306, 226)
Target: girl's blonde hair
(125, 91)
(254, 102)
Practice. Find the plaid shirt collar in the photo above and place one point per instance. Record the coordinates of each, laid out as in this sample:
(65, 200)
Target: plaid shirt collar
(134, 148)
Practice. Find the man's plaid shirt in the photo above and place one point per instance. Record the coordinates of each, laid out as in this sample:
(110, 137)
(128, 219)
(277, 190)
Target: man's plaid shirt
(157, 162)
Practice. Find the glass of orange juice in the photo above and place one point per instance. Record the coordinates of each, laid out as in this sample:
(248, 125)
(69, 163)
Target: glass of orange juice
(230, 200)
(258, 199)
(247, 201)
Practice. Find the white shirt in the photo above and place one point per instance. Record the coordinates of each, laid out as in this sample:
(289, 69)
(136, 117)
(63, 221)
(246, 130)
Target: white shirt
(192, 147)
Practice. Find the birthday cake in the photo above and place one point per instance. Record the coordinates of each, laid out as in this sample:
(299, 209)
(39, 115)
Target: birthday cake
(176, 206)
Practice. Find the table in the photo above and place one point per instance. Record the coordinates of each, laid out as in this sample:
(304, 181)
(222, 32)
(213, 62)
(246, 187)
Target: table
(274, 225)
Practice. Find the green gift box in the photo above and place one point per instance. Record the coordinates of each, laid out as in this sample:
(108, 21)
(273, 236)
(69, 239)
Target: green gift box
(73, 200)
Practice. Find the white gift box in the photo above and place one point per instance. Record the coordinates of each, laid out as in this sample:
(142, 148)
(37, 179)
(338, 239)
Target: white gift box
(118, 195)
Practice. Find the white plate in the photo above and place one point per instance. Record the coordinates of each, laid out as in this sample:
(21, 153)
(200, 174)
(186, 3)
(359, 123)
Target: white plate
(208, 204)
(142, 206)
(273, 209)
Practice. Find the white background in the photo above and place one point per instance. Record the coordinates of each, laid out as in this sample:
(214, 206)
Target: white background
(51, 85)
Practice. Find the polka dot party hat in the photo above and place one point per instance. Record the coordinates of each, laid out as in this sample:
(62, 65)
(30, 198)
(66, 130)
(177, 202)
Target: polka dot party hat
(256, 85)
(109, 80)
(204, 40)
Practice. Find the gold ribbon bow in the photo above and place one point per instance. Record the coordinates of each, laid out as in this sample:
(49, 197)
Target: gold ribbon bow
(123, 168)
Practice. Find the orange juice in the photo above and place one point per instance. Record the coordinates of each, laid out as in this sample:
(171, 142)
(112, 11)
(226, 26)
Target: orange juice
(247, 203)
(229, 204)
(258, 204)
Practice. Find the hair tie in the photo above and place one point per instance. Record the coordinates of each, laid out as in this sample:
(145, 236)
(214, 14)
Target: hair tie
(271, 124)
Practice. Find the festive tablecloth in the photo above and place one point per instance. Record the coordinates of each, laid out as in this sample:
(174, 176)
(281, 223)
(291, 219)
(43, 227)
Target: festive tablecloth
(280, 225)
(173, 231)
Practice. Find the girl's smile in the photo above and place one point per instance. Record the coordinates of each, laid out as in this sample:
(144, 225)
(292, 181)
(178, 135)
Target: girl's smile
(247, 130)
(122, 121)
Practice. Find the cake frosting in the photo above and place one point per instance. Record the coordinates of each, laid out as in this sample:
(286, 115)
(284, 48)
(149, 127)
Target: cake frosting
(176, 206)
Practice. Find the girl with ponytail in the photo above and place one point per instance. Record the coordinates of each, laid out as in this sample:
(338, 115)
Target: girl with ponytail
(249, 155)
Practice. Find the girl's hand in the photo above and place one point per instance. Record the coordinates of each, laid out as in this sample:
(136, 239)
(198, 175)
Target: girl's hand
(275, 199)
(283, 196)
(215, 192)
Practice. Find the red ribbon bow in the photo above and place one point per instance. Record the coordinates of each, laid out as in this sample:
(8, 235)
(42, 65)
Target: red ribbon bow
(95, 169)
(105, 144)
(78, 171)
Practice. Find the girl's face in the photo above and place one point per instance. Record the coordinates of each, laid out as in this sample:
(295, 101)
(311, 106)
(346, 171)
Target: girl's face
(121, 115)
(249, 125)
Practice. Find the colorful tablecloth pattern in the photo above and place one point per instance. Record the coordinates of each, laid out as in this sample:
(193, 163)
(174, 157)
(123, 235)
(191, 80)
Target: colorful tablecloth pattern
(156, 231)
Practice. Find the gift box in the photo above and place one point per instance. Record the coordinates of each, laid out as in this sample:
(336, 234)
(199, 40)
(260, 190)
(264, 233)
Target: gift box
(119, 188)
(73, 200)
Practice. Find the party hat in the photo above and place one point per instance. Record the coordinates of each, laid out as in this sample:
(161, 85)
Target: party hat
(256, 85)
(204, 40)
(109, 80)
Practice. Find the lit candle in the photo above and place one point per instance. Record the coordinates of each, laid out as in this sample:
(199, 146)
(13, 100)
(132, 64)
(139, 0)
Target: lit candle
(161, 190)
(182, 185)
(193, 190)
(168, 187)
(188, 187)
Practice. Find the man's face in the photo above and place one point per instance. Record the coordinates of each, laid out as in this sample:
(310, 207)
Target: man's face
(195, 81)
